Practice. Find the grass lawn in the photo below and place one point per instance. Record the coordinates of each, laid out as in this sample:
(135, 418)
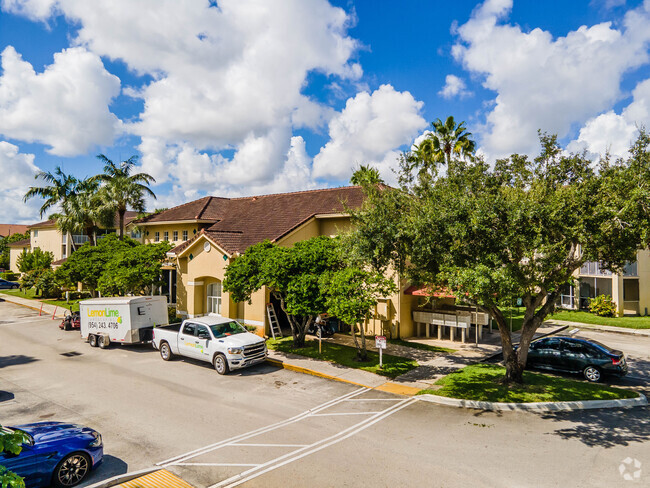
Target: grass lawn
(346, 356)
(482, 382)
(417, 345)
(638, 322)
(31, 294)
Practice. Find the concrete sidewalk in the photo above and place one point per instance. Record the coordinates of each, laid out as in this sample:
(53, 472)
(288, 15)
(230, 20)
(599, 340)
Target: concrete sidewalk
(41, 307)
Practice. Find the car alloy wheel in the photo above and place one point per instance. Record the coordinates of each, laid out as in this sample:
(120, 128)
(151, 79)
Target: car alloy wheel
(592, 374)
(165, 352)
(221, 364)
(72, 470)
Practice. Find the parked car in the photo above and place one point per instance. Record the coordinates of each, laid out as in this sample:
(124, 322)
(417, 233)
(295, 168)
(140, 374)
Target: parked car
(56, 453)
(71, 321)
(219, 340)
(571, 355)
(8, 285)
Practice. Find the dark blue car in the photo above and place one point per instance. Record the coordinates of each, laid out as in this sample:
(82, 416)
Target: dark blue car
(56, 453)
(8, 285)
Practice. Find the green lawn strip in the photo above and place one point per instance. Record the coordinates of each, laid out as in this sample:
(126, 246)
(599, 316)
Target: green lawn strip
(346, 356)
(418, 345)
(481, 382)
(31, 295)
(637, 322)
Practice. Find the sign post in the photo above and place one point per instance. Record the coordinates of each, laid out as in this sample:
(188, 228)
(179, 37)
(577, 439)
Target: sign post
(380, 343)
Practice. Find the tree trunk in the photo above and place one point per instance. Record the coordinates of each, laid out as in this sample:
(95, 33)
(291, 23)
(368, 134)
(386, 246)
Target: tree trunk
(363, 354)
(515, 361)
(121, 214)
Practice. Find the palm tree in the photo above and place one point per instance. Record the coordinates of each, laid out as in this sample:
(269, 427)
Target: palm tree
(366, 175)
(447, 140)
(60, 188)
(122, 189)
(84, 211)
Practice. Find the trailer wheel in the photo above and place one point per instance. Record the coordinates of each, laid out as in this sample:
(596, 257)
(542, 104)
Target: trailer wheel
(92, 340)
(221, 364)
(104, 342)
(166, 351)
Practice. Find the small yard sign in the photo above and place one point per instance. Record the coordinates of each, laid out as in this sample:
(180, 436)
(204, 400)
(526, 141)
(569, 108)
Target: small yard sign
(380, 343)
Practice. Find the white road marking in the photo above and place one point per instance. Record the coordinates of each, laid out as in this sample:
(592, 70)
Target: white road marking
(315, 447)
(343, 413)
(269, 445)
(261, 430)
(217, 464)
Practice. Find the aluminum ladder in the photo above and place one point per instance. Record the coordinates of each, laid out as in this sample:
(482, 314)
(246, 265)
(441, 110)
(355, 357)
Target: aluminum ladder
(273, 321)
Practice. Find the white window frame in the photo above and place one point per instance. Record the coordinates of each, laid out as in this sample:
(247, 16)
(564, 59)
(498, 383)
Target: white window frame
(213, 301)
(166, 236)
(156, 236)
(175, 235)
(185, 235)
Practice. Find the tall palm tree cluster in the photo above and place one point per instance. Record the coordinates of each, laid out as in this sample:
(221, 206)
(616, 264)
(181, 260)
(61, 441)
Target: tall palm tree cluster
(445, 142)
(92, 203)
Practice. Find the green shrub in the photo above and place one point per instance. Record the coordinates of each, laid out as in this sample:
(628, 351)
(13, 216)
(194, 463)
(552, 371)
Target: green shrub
(10, 276)
(173, 318)
(47, 284)
(603, 306)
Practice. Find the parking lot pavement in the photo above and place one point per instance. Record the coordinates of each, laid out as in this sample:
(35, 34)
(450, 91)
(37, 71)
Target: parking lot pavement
(295, 429)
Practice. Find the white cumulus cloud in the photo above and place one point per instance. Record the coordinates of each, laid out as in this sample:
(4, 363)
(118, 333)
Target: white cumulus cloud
(64, 107)
(454, 87)
(369, 130)
(612, 132)
(18, 170)
(544, 82)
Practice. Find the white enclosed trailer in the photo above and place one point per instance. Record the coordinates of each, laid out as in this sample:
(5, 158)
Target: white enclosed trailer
(125, 320)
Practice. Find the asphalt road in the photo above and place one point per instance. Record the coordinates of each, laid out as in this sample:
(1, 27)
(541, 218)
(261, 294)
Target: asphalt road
(275, 428)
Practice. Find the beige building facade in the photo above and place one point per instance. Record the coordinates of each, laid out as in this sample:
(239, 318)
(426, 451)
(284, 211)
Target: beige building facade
(630, 290)
(225, 228)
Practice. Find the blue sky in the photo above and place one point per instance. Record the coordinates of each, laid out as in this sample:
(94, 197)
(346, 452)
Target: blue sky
(241, 97)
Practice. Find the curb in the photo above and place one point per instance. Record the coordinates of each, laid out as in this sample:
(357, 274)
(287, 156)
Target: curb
(123, 478)
(4, 299)
(300, 369)
(640, 401)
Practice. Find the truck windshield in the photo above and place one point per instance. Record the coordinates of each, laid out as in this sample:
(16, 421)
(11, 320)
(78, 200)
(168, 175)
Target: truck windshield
(229, 328)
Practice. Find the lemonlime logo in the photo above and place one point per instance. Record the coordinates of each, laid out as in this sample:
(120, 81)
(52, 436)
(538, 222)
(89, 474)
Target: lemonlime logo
(107, 312)
(119, 320)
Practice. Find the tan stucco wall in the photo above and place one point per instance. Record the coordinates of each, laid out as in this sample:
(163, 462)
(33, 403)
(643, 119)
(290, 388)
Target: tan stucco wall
(643, 269)
(49, 239)
(333, 226)
(162, 228)
(307, 231)
(14, 252)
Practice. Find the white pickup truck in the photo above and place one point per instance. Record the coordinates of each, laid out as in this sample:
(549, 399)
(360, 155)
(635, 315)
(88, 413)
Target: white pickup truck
(221, 341)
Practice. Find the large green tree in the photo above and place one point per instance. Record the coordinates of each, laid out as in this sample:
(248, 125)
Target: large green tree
(123, 189)
(517, 229)
(291, 274)
(59, 187)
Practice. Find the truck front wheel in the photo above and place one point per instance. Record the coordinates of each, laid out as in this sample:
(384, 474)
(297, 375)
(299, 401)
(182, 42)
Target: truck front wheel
(165, 351)
(92, 340)
(221, 364)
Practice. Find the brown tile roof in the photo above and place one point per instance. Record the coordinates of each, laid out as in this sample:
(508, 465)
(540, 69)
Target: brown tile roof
(46, 223)
(206, 208)
(248, 220)
(10, 229)
(22, 243)
(59, 262)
